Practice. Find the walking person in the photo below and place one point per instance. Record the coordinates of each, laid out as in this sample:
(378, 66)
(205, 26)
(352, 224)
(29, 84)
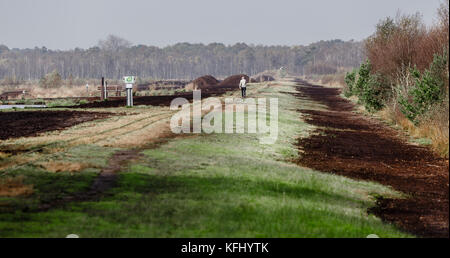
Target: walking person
(243, 87)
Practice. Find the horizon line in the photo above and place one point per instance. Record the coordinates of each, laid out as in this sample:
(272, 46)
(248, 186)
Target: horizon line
(191, 43)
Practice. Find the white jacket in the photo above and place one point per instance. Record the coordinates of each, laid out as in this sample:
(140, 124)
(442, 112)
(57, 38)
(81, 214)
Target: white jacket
(242, 83)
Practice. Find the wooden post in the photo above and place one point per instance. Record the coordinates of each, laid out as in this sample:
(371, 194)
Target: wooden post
(102, 93)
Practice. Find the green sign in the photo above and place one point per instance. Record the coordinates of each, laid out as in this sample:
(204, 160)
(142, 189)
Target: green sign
(129, 79)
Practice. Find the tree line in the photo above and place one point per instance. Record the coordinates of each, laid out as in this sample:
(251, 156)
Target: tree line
(115, 57)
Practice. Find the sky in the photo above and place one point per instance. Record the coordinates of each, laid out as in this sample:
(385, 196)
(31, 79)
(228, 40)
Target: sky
(67, 24)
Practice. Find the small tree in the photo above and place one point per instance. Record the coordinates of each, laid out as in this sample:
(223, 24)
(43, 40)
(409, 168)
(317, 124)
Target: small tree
(428, 89)
(51, 80)
(363, 78)
(350, 79)
(373, 93)
(370, 88)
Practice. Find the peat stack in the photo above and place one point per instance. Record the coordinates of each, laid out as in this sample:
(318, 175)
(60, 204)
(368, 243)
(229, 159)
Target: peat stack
(233, 81)
(202, 83)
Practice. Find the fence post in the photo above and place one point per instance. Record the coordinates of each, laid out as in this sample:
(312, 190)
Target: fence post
(102, 93)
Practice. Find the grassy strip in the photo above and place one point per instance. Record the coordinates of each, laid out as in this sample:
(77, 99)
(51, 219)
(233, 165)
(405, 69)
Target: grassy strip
(220, 185)
(53, 177)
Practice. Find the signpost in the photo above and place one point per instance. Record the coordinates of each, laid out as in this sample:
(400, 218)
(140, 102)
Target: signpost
(105, 88)
(129, 81)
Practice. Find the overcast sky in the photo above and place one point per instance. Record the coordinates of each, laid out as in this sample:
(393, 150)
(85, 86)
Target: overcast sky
(66, 24)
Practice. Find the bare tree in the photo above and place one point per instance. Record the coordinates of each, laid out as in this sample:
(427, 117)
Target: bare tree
(114, 43)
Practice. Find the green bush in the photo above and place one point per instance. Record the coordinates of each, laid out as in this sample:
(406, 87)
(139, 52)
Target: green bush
(350, 79)
(428, 89)
(363, 78)
(370, 88)
(374, 93)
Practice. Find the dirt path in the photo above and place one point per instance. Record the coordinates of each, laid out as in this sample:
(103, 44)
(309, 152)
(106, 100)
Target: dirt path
(360, 147)
(108, 177)
(106, 180)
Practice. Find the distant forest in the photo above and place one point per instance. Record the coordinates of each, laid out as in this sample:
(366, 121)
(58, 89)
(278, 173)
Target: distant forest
(115, 57)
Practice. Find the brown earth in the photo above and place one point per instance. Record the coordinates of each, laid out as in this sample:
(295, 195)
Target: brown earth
(16, 124)
(202, 83)
(205, 81)
(210, 85)
(233, 81)
(152, 100)
(144, 100)
(229, 84)
(360, 147)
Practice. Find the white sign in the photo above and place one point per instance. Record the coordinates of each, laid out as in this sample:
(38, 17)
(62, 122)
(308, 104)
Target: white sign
(129, 86)
(129, 79)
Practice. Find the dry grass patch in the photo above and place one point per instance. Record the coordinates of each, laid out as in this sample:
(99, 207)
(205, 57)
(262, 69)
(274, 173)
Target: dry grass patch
(438, 134)
(435, 128)
(65, 166)
(16, 161)
(14, 186)
(4, 155)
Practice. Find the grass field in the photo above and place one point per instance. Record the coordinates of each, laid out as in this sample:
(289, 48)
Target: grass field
(207, 185)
